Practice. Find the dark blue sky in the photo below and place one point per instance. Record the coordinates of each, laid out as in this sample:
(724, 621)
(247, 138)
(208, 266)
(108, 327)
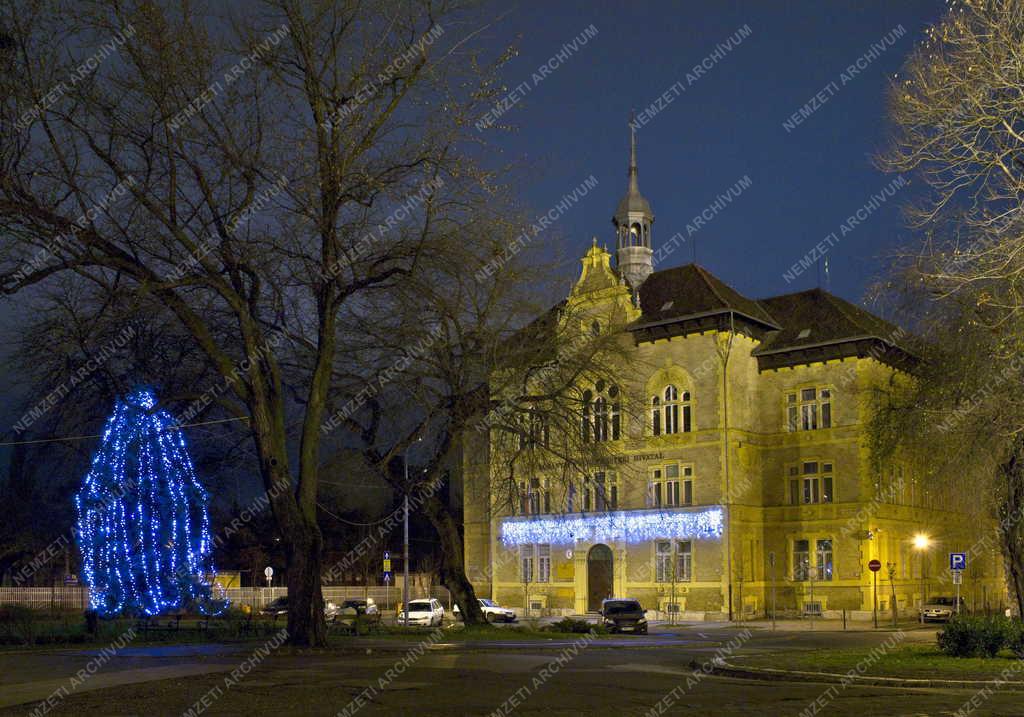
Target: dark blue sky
(728, 124)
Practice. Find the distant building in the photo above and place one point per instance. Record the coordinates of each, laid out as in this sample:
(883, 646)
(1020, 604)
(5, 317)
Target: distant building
(738, 471)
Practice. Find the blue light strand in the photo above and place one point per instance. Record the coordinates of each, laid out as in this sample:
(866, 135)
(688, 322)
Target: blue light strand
(629, 526)
(136, 511)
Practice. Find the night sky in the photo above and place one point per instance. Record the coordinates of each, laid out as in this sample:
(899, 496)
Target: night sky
(726, 125)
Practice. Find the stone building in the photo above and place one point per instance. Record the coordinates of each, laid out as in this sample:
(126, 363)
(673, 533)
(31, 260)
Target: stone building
(745, 474)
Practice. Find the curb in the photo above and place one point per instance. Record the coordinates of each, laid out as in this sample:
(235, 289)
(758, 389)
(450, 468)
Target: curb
(724, 669)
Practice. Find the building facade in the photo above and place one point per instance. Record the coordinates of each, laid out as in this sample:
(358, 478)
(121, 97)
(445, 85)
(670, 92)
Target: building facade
(745, 475)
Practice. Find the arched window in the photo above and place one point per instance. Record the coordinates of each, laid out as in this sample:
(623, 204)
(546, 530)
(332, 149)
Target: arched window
(671, 412)
(600, 419)
(585, 421)
(602, 415)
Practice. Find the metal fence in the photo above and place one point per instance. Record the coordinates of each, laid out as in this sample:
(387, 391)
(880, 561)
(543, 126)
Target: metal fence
(77, 598)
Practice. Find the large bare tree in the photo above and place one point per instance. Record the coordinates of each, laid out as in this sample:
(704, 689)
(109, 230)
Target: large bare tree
(957, 109)
(254, 176)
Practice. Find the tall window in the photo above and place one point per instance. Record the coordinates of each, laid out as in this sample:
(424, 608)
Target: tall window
(671, 412)
(663, 561)
(801, 560)
(606, 410)
(600, 492)
(811, 482)
(526, 563)
(809, 409)
(672, 486)
(543, 563)
(534, 497)
(684, 558)
(534, 430)
(824, 555)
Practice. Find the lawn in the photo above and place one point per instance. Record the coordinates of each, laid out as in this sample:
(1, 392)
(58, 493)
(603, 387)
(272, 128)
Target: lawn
(910, 661)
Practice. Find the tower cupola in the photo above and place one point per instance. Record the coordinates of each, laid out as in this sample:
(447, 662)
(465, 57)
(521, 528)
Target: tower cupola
(633, 219)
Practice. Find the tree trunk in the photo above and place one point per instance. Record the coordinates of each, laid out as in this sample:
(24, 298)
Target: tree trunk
(306, 626)
(1011, 522)
(453, 567)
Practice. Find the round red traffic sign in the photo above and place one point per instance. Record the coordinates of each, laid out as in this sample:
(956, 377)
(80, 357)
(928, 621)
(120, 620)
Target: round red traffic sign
(874, 565)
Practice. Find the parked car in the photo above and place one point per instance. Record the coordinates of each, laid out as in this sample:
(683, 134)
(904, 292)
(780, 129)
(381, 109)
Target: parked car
(940, 609)
(492, 611)
(624, 615)
(423, 612)
(279, 606)
(366, 610)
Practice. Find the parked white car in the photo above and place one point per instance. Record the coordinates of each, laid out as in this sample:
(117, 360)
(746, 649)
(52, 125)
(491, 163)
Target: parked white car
(492, 611)
(423, 612)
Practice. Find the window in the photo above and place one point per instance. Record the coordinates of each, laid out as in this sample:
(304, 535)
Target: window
(801, 560)
(811, 482)
(600, 492)
(684, 556)
(526, 563)
(534, 497)
(668, 409)
(534, 430)
(606, 410)
(824, 560)
(663, 561)
(543, 563)
(668, 489)
(809, 409)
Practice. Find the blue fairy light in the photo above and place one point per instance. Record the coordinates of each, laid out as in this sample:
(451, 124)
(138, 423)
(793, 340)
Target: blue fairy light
(631, 527)
(143, 524)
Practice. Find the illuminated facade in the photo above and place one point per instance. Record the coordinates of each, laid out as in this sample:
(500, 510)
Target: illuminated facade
(737, 474)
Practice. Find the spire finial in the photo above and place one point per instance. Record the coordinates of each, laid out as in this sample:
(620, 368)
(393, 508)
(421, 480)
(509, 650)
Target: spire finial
(633, 183)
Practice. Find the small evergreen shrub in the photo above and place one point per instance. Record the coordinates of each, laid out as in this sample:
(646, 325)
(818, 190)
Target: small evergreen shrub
(977, 636)
(569, 624)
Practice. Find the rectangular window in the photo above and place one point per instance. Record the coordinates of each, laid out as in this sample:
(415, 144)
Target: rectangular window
(684, 556)
(824, 560)
(534, 496)
(811, 482)
(601, 492)
(809, 409)
(663, 561)
(526, 563)
(801, 560)
(667, 490)
(543, 563)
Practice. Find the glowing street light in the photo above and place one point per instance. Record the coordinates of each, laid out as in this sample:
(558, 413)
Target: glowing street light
(922, 542)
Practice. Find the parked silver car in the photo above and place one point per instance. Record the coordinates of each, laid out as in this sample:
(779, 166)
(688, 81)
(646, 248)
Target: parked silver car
(940, 609)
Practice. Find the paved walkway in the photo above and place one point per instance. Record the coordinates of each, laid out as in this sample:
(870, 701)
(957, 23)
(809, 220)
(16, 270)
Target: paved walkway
(35, 676)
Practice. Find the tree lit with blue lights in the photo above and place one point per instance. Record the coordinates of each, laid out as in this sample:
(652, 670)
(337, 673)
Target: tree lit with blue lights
(143, 524)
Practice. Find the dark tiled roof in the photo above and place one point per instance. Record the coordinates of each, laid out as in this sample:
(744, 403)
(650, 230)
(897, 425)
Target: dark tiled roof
(691, 290)
(816, 317)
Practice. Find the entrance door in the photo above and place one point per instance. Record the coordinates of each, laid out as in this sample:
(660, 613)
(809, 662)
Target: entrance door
(599, 576)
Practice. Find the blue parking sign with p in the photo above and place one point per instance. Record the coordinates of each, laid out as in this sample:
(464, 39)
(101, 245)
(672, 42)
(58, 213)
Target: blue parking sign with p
(958, 561)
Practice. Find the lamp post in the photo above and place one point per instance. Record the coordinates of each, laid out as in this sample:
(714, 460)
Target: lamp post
(921, 543)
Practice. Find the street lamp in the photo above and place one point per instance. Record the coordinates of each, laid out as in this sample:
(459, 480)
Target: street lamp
(921, 543)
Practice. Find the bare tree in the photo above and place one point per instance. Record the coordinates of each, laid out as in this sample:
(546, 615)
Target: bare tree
(957, 109)
(254, 178)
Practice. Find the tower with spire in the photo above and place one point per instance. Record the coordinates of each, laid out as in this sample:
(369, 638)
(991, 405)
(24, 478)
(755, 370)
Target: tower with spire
(633, 219)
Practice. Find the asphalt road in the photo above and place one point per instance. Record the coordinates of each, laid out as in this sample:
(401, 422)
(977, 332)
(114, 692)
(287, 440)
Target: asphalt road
(622, 676)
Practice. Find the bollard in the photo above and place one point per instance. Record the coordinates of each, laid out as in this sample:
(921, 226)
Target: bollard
(844, 618)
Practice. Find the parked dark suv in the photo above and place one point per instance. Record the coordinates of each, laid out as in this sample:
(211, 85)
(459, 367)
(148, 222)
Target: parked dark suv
(624, 615)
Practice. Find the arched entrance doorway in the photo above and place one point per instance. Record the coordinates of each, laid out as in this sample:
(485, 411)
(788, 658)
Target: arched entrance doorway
(599, 576)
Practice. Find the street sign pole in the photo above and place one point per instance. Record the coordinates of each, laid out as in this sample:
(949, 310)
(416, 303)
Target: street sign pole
(771, 564)
(874, 566)
(874, 610)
